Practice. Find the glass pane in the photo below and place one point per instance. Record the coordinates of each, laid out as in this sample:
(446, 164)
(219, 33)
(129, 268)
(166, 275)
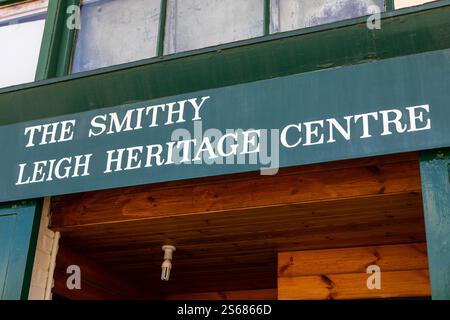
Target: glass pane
(193, 24)
(21, 30)
(116, 31)
(297, 14)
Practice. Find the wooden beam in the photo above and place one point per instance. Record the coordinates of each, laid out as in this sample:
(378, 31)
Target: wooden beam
(97, 281)
(341, 273)
(292, 186)
(352, 260)
(398, 284)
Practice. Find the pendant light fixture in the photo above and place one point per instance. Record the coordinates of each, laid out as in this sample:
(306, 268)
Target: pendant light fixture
(167, 264)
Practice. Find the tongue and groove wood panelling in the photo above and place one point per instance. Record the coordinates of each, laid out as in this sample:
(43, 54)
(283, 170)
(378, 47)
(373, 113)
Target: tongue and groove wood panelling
(228, 230)
(97, 281)
(291, 186)
(263, 294)
(342, 273)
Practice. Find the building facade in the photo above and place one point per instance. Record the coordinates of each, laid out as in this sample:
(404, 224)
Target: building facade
(224, 149)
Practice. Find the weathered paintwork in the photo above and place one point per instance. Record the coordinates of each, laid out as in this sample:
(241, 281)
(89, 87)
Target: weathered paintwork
(435, 174)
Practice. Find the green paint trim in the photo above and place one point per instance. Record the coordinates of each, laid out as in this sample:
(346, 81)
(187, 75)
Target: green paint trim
(57, 42)
(266, 17)
(38, 206)
(24, 239)
(67, 42)
(17, 204)
(435, 177)
(389, 5)
(162, 28)
(448, 172)
(49, 40)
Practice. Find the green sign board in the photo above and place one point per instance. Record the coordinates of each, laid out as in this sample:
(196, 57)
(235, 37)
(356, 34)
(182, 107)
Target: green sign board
(389, 106)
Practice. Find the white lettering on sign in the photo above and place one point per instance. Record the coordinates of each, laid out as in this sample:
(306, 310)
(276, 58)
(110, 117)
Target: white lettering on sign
(237, 143)
(363, 126)
(50, 133)
(138, 157)
(54, 169)
(151, 116)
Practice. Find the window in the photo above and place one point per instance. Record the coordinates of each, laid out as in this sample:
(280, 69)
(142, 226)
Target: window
(193, 24)
(116, 31)
(295, 14)
(120, 31)
(21, 30)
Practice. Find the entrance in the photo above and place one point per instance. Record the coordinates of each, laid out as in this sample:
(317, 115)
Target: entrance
(311, 232)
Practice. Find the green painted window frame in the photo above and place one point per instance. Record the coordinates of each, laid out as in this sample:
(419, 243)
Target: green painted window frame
(59, 42)
(389, 6)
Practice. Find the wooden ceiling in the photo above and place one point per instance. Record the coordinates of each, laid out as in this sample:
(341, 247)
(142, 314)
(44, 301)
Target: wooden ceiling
(228, 230)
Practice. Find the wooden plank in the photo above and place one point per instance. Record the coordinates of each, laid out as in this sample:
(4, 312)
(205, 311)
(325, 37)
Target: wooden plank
(395, 217)
(97, 281)
(395, 284)
(214, 278)
(342, 273)
(295, 186)
(235, 262)
(303, 217)
(213, 249)
(262, 294)
(228, 229)
(435, 173)
(353, 260)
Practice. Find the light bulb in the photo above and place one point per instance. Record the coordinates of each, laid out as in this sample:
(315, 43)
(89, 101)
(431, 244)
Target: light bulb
(166, 266)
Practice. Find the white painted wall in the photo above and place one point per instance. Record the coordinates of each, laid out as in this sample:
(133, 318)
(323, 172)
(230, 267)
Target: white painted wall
(398, 4)
(42, 259)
